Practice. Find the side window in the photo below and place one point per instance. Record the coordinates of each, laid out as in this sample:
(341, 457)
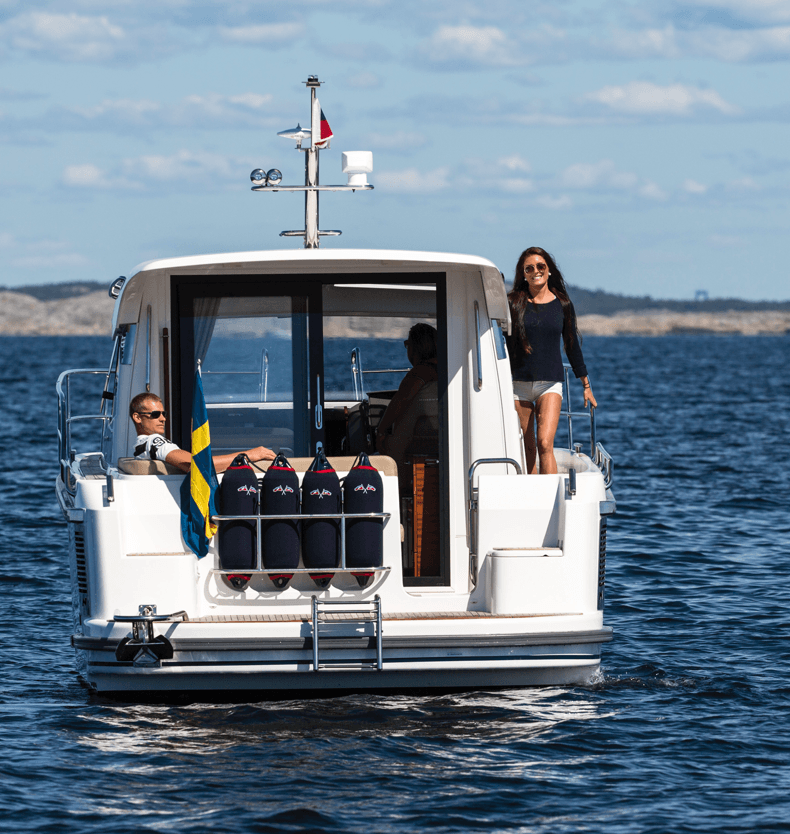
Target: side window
(499, 341)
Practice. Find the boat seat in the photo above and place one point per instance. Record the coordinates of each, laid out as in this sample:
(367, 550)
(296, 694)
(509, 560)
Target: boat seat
(132, 466)
(385, 464)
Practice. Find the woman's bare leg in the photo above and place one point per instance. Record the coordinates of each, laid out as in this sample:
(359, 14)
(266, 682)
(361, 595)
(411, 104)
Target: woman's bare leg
(548, 409)
(526, 416)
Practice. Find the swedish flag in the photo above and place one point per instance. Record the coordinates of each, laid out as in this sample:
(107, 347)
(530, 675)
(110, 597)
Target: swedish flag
(197, 491)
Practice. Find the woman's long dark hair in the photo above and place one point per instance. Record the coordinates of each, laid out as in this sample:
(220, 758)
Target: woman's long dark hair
(520, 296)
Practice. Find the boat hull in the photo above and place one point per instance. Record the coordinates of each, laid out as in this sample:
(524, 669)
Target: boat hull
(441, 662)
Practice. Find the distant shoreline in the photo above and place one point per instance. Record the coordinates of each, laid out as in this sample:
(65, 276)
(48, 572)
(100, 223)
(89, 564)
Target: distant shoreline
(90, 314)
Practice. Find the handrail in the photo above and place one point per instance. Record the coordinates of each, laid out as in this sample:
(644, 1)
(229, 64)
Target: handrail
(603, 460)
(66, 454)
(599, 456)
(473, 509)
(479, 356)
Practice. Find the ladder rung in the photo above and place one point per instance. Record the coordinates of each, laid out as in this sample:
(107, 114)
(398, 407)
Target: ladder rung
(368, 611)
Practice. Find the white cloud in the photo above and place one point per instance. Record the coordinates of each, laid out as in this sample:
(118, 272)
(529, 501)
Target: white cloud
(84, 38)
(70, 37)
(732, 45)
(514, 162)
(365, 80)
(468, 44)
(208, 111)
(765, 11)
(603, 174)
(398, 140)
(85, 175)
(185, 169)
(271, 35)
(65, 259)
(694, 187)
(411, 180)
(515, 185)
(769, 44)
(555, 203)
(652, 191)
(645, 98)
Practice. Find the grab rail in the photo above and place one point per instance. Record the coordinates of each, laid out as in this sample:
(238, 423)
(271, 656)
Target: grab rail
(603, 460)
(473, 509)
(66, 454)
(599, 456)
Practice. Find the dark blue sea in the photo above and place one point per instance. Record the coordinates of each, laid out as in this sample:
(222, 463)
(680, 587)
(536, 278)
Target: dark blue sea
(687, 730)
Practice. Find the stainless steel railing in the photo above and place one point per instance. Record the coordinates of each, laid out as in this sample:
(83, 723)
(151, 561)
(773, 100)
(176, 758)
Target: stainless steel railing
(357, 373)
(599, 456)
(66, 454)
(259, 519)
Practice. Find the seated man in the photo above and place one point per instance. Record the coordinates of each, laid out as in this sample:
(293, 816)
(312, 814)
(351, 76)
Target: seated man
(410, 425)
(148, 416)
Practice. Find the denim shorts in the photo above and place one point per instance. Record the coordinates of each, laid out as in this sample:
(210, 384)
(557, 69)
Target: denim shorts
(532, 390)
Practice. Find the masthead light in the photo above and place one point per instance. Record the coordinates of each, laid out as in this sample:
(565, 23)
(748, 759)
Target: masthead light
(274, 177)
(258, 176)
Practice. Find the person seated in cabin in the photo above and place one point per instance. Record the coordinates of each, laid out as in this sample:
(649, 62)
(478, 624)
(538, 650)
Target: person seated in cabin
(148, 415)
(410, 425)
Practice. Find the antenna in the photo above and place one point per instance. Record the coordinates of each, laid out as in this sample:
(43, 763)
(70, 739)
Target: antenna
(356, 164)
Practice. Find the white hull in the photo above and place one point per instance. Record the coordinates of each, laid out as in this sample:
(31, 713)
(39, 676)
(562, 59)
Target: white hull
(259, 663)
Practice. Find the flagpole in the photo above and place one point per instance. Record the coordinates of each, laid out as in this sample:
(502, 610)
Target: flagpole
(311, 238)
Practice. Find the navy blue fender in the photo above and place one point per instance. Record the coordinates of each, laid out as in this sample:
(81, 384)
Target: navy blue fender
(280, 496)
(238, 495)
(363, 492)
(321, 537)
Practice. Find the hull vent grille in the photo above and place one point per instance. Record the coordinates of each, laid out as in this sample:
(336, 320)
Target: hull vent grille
(602, 564)
(82, 570)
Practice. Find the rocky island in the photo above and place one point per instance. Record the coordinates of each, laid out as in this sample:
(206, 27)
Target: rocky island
(85, 309)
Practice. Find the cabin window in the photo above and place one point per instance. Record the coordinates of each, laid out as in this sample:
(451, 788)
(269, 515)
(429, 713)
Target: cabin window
(127, 344)
(499, 340)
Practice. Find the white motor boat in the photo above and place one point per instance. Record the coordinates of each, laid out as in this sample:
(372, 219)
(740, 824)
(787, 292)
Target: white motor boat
(478, 575)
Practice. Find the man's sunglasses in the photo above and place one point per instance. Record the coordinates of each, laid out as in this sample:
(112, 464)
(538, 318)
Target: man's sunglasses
(154, 415)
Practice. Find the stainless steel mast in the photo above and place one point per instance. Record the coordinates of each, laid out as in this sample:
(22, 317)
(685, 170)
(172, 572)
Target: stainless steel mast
(271, 180)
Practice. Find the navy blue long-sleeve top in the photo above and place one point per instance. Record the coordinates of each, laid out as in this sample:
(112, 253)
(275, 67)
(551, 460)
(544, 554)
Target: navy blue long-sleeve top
(545, 327)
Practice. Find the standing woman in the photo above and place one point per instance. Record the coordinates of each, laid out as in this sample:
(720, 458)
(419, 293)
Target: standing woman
(543, 316)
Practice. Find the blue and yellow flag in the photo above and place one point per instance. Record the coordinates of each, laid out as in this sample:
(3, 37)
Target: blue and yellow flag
(197, 491)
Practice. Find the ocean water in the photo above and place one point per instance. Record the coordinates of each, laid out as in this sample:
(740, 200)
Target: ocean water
(687, 729)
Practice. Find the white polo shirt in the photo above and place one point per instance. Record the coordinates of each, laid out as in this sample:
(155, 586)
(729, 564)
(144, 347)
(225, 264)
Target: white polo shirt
(153, 447)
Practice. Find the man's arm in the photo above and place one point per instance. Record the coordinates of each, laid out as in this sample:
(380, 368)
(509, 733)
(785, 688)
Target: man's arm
(183, 460)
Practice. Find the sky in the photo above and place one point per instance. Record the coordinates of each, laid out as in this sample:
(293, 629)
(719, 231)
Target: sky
(644, 144)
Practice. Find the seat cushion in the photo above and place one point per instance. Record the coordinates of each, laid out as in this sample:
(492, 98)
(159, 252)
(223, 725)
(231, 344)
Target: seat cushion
(133, 466)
